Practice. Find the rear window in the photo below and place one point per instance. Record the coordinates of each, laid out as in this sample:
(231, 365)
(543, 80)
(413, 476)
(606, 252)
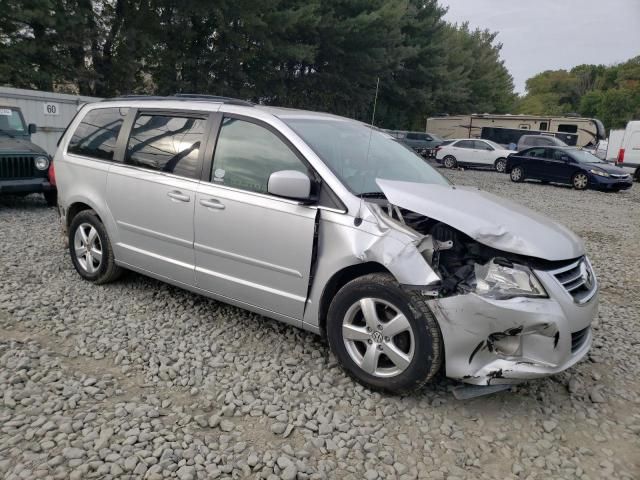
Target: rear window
(97, 133)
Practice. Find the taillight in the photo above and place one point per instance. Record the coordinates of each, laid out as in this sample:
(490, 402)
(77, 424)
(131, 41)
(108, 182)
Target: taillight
(52, 174)
(621, 155)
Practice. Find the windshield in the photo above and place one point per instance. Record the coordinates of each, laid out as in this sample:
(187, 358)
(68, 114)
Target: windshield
(343, 146)
(11, 121)
(582, 156)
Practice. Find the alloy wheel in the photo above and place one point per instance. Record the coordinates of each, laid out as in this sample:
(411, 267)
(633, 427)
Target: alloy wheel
(516, 174)
(449, 162)
(87, 247)
(580, 181)
(378, 337)
(501, 165)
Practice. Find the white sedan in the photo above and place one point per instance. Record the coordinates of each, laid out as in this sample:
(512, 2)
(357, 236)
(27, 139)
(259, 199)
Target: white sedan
(473, 152)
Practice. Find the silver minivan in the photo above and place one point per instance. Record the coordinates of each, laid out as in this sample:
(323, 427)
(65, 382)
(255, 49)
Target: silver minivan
(329, 225)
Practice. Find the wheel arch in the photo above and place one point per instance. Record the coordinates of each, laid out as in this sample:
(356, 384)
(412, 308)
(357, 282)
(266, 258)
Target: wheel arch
(338, 280)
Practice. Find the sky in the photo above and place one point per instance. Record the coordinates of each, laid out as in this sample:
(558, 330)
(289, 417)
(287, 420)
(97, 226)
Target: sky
(539, 35)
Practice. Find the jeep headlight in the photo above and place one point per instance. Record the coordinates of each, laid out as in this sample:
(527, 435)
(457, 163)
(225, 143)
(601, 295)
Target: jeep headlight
(503, 280)
(600, 173)
(41, 163)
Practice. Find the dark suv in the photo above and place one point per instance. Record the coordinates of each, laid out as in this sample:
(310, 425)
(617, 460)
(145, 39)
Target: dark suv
(24, 166)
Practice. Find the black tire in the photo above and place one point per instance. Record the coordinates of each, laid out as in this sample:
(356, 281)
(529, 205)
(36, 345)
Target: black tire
(500, 165)
(107, 270)
(450, 161)
(637, 175)
(517, 174)
(51, 198)
(426, 338)
(578, 181)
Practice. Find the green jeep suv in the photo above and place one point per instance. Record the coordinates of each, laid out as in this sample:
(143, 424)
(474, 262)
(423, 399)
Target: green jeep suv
(24, 166)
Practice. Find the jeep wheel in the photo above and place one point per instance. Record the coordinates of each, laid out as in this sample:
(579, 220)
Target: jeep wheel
(450, 161)
(386, 338)
(90, 249)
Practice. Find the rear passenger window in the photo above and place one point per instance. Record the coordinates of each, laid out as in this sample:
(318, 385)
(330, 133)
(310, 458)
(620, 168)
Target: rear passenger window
(247, 154)
(465, 144)
(166, 143)
(97, 133)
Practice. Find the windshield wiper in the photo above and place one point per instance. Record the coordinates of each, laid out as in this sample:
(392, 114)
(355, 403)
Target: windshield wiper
(7, 133)
(372, 195)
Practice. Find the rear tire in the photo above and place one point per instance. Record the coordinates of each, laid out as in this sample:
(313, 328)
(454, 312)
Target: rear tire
(580, 181)
(501, 165)
(517, 174)
(637, 175)
(396, 346)
(450, 161)
(90, 249)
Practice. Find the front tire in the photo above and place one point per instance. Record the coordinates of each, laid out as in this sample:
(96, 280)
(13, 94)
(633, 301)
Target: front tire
(90, 249)
(501, 165)
(580, 181)
(517, 174)
(385, 338)
(450, 161)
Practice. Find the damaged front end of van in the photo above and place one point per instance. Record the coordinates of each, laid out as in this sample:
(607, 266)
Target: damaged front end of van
(513, 292)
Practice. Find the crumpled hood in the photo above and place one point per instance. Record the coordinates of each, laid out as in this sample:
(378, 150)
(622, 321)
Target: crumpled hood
(18, 146)
(488, 219)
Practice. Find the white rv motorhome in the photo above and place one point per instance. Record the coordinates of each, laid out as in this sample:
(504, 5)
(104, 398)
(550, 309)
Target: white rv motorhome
(585, 131)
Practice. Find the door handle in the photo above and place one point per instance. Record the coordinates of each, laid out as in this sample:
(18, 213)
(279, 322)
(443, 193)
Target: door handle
(212, 203)
(178, 195)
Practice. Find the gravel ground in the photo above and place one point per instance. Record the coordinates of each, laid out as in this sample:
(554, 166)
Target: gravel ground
(138, 379)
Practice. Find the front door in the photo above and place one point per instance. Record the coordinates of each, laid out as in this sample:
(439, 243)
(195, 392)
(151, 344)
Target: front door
(251, 246)
(152, 195)
(485, 153)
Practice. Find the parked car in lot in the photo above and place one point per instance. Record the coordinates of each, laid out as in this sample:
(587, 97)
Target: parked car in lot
(423, 143)
(528, 141)
(567, 165)
(24, 167)
(327, 224)
(473, 153)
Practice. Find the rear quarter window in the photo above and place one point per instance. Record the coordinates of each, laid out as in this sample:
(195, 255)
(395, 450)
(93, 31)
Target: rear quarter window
(96, 135)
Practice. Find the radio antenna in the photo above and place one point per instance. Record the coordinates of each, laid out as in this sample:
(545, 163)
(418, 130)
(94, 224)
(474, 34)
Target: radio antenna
(358, 220)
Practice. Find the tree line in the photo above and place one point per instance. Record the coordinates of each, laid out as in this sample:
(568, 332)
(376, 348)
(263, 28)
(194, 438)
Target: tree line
(317, 54)
(610, 93)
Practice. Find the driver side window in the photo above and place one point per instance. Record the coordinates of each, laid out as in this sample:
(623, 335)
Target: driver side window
(247, 154)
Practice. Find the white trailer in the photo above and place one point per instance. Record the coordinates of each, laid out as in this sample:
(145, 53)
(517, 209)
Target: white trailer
(614, 145)
(51, 112)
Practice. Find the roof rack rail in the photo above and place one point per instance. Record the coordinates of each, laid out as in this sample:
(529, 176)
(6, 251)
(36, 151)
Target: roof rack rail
(186, 97)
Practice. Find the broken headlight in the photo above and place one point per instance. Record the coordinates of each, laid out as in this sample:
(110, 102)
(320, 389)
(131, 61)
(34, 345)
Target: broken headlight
(501, 280)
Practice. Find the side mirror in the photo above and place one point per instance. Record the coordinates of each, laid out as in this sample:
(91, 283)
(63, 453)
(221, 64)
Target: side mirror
(289, 184)
(32, 128)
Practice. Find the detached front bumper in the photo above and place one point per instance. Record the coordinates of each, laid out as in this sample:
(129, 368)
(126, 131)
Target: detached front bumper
(553, 333)
(29, 185)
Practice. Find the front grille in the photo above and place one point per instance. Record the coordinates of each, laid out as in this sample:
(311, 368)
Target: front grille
(619, 175)
(578, 280)
(16, 167)
(578, 338)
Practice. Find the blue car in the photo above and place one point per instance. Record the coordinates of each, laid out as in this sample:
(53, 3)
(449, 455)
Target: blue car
(568, 165)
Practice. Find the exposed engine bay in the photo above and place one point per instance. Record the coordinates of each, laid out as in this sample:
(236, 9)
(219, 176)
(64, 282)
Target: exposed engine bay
(463, 264)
